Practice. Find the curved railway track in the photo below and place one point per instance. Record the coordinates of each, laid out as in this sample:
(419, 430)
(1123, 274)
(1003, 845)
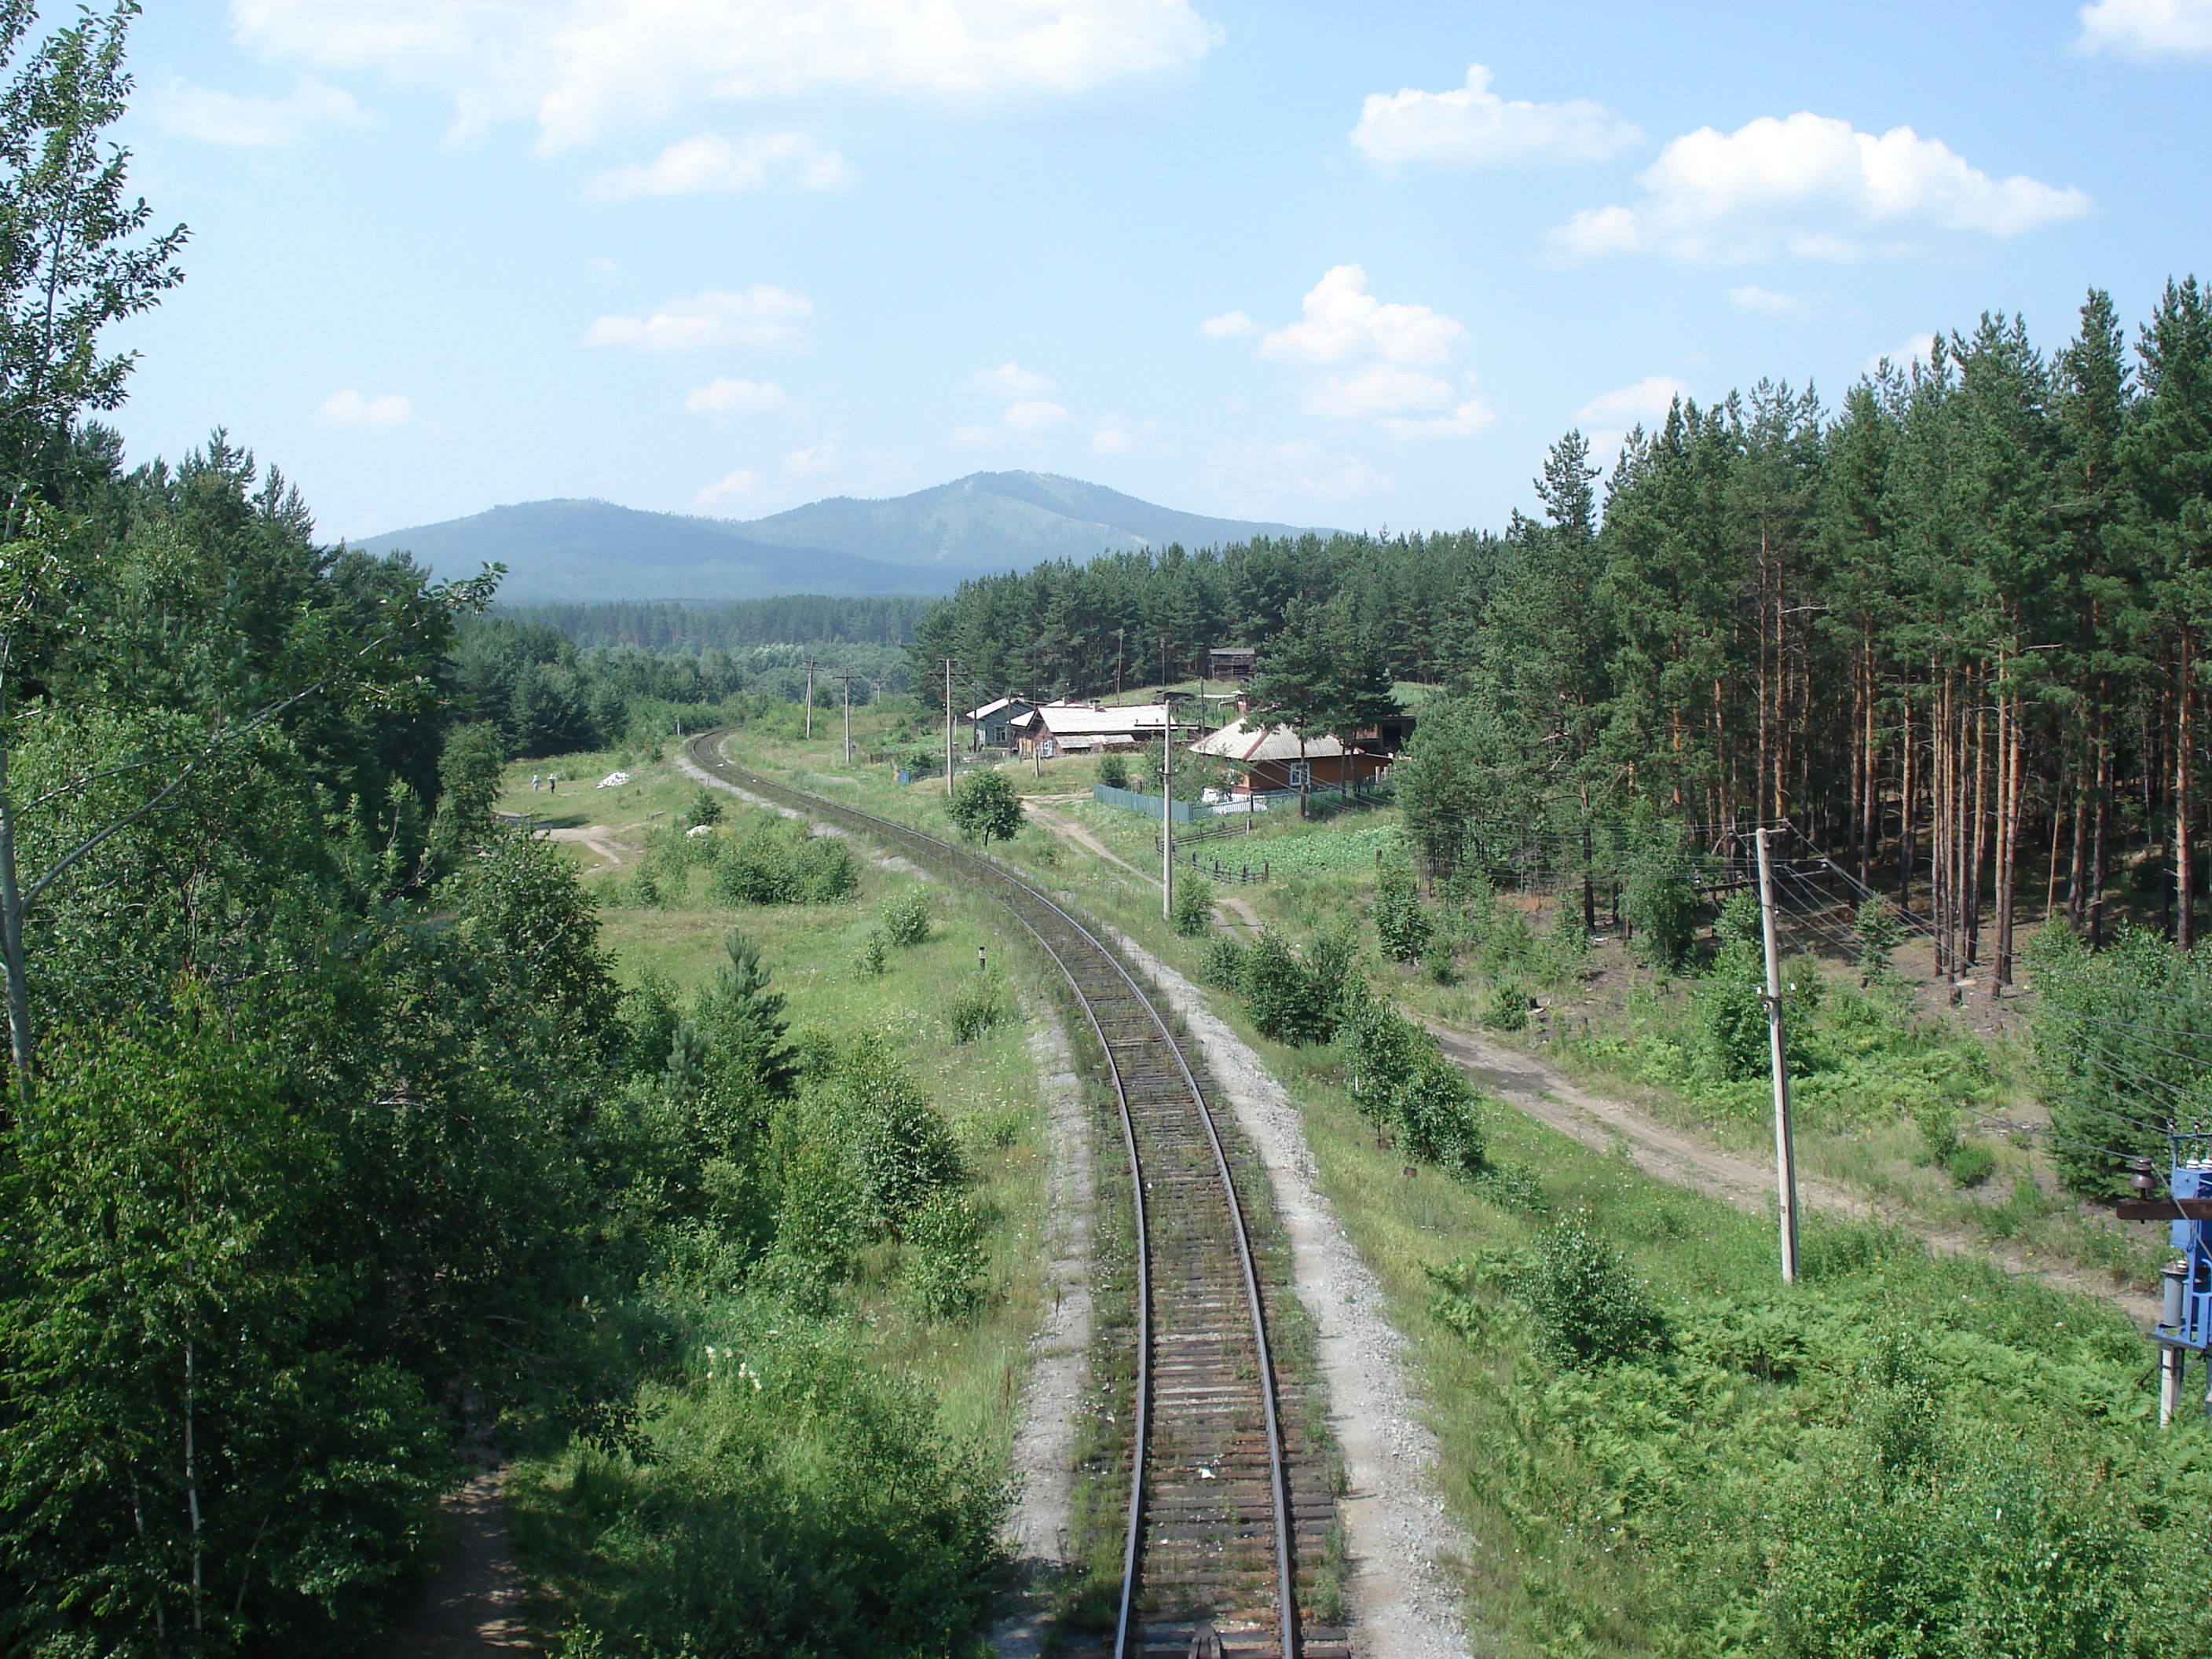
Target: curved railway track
(1226, 1513)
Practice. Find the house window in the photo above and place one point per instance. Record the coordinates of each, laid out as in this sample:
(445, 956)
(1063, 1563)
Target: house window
(1301, 774)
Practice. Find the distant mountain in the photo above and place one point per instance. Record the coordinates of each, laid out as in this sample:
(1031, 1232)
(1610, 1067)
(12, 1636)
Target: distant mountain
(581, 550)
(998, 521)
(925, 543)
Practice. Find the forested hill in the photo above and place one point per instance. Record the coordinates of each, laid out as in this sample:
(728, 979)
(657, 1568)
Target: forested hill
(997, 521)
(590, 551)
(594, 551)
(1957, 623)
(788, 619)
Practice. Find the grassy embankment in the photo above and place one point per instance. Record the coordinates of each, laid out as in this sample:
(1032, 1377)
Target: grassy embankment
(1706, 1496)
(969, 1368)
(1737, 1487)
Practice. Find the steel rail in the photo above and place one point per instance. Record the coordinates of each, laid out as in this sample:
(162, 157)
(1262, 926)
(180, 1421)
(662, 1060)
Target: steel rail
(705, 751)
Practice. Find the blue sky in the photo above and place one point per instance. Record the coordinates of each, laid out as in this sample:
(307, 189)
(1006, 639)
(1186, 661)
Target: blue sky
(1350, 265)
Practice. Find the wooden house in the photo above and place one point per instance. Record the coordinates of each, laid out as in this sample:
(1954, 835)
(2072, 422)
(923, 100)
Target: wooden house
(1273, 757)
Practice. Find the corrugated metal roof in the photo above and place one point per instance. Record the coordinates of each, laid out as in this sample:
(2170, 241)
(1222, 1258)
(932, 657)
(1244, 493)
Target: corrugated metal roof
(1244, 742)
(1081, 720)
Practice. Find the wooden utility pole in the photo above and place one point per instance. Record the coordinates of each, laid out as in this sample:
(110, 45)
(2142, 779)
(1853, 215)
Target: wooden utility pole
(810, 700)
(1785, 1146)
(948, 727)
(1118, 633)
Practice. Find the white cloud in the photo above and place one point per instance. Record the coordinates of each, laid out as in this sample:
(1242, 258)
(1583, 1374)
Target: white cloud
(811, 461)
(1811, 186)
(1035, 416)
(579, 67)
(1010, 381)
(1377, 389)
(721, 397)
(1917, 349)
(1646, 402)
(1228, 325)
(1259, 472)
(1115, 436)
(1369, 359)
(1343, 320)
(1751, 297)
(225, 118)
(1464, 420)
(707, 163)
(349, 407)
(737, 485)
(1471, 126)
(2145, 29)
(1023, 421)
(761, 315)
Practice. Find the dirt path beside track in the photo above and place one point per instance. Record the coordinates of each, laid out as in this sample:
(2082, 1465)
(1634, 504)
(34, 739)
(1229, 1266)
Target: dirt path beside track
(1682, 1159)
(1069, 830)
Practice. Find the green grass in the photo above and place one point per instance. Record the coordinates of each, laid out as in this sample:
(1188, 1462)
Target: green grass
(972, 1368)
(1642, 1509)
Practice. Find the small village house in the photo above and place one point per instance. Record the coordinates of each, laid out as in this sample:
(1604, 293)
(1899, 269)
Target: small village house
(993, 721)
(1078, 728)
(1271, 757)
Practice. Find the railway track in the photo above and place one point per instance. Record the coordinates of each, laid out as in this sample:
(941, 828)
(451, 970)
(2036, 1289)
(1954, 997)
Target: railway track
(1227, 1513)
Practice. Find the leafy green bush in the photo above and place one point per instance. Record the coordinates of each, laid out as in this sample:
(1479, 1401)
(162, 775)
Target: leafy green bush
(1193, 910)
(1938, 1123)
(902, 1149)
(1114, 771)
(1296, 996)
(985, 807)
(1402, 926)
(1382, 1045)
(706, 807)
(1730, 1008)
(1437, 1118)
(906, 917)
(874, 954)
(1507, 1009)
(1661, 908)
(945, 1256)
(2123, 1036)
(977, 1008)
(1970, 1163)
(1879, 934)
(776, 864)
(786, 1498)
(1223, 963)
(1589, 1306)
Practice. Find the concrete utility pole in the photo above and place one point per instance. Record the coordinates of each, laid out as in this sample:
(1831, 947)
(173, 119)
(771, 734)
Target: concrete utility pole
(1167, 824)
(847, 678)
(810, 700)
(948, 727)
(1785, 1146)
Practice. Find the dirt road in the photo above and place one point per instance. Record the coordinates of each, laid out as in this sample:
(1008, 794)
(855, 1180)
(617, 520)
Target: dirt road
(1682, 1159)
(1070, 830)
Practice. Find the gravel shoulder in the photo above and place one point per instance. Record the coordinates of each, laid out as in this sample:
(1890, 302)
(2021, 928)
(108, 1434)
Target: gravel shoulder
(1681, 1159)
(1043, 1460)
(1395, 1529)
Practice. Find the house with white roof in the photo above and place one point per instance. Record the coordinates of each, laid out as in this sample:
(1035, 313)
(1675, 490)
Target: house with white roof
(1087, 728)
(1276, 757)
(993, 720)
